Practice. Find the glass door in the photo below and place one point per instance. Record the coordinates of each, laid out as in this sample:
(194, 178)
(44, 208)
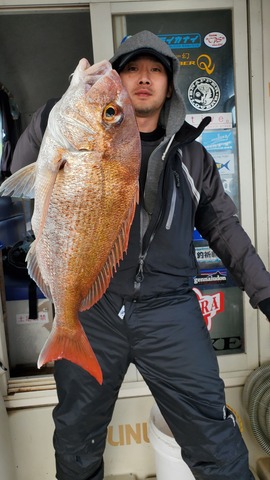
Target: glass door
(213, 54)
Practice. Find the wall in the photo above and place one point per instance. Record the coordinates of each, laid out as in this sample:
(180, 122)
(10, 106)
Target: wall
(38, 53)
(128, 449)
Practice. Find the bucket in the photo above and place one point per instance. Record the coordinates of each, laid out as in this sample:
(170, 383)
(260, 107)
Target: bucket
(168, 458)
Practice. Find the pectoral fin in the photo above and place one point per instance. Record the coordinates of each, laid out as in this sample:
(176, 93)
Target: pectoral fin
(21, 183)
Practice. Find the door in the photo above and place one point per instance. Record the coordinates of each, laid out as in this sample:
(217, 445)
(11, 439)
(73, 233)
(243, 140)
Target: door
(211, 43)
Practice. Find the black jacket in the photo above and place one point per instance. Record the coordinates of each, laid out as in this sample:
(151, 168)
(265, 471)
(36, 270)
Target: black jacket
(190, 194)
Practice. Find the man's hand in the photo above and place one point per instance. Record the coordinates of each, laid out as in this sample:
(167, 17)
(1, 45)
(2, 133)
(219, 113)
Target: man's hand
(264, 306)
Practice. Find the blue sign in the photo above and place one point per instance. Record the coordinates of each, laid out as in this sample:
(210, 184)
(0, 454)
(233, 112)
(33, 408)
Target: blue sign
(218, 141)
(182, 40)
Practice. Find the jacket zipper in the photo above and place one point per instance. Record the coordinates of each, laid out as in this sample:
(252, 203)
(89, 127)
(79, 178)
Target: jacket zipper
(172, 208)
(139, 277)
(176, 184)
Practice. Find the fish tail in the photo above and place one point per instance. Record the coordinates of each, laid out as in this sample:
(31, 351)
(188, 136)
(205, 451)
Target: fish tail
(74, 347)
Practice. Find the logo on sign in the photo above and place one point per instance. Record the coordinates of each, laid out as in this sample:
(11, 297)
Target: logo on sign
(218, 141)
(210, 305)
(126, 434)
(204, 93)
(205, 255)
(182, 40)
(204, 62)
(224, 162)
(218, 120)
(210, 278)
(215, 40)
(227, 184)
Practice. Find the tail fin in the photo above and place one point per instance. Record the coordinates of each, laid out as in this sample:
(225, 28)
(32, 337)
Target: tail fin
(74, 347)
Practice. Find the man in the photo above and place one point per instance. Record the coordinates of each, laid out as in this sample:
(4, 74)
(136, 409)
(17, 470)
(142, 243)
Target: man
(149, 315)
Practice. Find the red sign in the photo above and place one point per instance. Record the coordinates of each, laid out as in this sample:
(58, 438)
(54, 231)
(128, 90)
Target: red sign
(211, 305)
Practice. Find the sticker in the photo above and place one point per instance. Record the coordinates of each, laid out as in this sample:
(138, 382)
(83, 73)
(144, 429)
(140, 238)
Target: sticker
(185, 59)
(23, 318)
(206, 255)
(218, 120)
(204, 62)
(218, 141)
(227, 344)
(187, 63)
(215, 40)
(182, 40)
(184, 55)
(210, 305)
(211, 277)
(204, 93)
(224, 162)
(227, 183)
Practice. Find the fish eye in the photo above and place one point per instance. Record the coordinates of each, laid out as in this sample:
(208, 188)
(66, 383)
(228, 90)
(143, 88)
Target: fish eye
(112, 114)
(109, 112)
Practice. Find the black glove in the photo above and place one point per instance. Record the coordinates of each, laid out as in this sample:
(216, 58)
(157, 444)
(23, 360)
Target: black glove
(264, 306)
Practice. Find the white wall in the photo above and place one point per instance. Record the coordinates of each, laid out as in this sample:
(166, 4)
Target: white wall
(126, 452)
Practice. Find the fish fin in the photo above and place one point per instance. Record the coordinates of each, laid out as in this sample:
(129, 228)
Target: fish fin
(74, 347)
(21, 183)
(34, 271)
(46, 185)
(117, 252)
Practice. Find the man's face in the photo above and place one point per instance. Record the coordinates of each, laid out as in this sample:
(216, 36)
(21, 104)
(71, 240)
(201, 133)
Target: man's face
(146, 81)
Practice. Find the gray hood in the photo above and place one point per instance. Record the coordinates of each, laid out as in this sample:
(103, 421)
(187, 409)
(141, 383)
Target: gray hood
(173, 113)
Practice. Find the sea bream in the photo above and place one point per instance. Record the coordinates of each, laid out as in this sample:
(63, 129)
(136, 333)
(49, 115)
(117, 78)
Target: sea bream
(85, 185)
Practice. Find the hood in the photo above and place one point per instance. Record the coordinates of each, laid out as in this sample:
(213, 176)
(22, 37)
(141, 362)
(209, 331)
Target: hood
(173, 113)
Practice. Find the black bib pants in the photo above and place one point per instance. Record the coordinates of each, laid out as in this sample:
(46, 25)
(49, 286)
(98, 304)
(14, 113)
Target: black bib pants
(167, 339)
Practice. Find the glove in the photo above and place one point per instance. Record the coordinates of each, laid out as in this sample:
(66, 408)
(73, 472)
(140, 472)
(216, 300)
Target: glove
(264, 306)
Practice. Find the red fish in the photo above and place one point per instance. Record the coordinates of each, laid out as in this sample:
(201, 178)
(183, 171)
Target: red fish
(85, 184)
